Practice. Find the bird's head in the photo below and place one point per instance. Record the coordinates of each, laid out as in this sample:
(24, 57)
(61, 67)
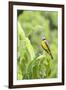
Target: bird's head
(43, 38)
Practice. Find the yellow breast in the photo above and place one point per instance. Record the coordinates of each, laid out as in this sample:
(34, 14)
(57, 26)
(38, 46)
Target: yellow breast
(43, 44)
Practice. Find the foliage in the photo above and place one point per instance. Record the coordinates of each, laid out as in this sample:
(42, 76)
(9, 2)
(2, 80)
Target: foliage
(33, 62)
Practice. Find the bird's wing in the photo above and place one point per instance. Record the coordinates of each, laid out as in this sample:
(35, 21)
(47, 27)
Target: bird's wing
(49, 51)
(46, 42)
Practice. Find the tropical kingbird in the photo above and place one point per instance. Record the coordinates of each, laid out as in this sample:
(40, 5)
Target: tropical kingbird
(45, 46)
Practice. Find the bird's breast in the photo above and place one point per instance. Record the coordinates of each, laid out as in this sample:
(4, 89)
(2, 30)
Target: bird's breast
(43, 44)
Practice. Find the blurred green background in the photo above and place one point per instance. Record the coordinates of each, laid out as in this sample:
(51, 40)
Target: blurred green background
(33, 62)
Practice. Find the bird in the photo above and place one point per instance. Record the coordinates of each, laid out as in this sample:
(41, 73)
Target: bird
(45, 46)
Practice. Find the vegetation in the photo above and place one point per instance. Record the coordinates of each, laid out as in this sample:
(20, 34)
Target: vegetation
(33, 62)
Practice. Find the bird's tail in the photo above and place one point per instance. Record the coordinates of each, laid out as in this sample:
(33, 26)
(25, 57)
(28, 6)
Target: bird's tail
(51, 55)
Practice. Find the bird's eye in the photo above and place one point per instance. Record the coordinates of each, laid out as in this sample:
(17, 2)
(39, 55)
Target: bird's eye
(43, 39)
